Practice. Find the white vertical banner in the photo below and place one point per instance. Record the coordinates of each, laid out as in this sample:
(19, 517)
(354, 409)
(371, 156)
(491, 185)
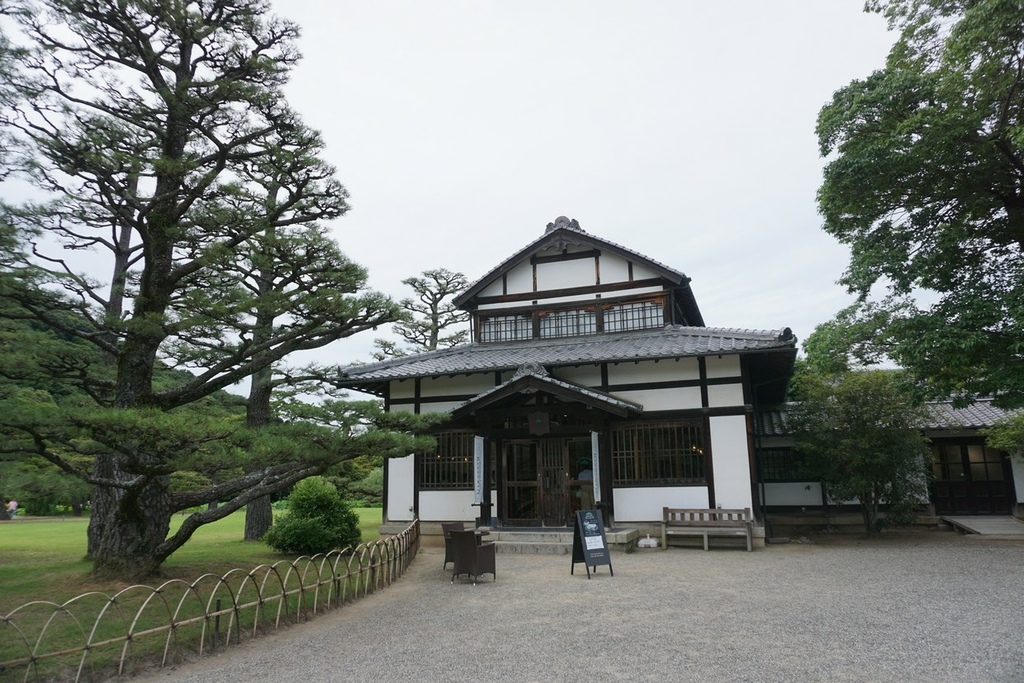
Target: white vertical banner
(478, 469)
(595, 465)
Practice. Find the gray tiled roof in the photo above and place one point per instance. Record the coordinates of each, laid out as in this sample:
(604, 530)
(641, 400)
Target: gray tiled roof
(772, 421)
(673, 341)
(943, 415)
(981, 413)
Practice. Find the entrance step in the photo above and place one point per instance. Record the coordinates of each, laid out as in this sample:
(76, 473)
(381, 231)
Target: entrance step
(540, 542)
(987, 525)
(552, 541)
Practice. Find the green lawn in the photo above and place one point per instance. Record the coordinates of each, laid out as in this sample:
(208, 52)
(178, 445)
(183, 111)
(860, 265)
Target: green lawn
(43, 559)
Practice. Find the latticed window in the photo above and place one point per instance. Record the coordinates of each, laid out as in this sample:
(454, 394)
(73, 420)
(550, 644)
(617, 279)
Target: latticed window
(568, 323)
(450, 465)
(658, 454)
(506, 328)
(635, 316)
(782, 464)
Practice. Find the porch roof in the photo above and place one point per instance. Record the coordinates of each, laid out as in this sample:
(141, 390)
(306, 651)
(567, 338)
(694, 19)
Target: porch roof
(532, 377)
(672, 341)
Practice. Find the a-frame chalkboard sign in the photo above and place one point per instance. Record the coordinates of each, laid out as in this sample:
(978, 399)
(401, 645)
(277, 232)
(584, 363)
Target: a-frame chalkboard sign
(589, 545)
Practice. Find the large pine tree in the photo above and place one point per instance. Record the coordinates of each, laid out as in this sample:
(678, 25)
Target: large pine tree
(174, 228)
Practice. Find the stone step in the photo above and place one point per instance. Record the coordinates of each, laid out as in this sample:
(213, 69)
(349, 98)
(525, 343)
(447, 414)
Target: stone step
(551, 542)
(531, 536)
(533, 547)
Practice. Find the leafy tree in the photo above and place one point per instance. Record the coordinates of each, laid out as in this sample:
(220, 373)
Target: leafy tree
(43, 490)
(302, 268)
(925, 183)
(860, 435)
(318, 521)
(427, 316)
(361, 481)
(1007, 435)
(159, 137)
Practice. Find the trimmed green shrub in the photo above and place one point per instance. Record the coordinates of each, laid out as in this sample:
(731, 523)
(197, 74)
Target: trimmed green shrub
(319, 521)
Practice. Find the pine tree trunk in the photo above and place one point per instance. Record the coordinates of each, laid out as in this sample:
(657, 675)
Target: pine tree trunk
(258, 413)
(259, 515)
(126, 528)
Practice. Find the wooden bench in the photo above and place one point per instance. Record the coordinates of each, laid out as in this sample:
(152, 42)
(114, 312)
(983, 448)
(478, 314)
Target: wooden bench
(697, 522)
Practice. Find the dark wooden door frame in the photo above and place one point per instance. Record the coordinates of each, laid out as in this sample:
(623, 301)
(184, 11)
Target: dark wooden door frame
(551, 492)
(974, 491)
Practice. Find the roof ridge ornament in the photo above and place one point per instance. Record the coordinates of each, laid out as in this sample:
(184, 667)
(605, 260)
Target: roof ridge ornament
(530, 369)
(563, 222)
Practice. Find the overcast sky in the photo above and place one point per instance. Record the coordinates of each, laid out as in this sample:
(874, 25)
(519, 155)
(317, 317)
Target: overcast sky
(682, 130)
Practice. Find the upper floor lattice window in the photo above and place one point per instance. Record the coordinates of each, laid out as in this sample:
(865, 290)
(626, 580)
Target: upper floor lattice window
(506, 328)
(642, 315)
(592, 318)
(571, 323)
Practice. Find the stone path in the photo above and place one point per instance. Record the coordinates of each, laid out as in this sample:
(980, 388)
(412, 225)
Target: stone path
(915, 606)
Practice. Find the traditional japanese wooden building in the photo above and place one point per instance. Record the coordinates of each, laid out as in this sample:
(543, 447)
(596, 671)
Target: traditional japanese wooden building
(585, 355)
(968, 476)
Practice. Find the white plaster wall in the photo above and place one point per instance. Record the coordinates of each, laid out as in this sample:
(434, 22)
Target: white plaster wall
(1017, 467)
(649, 371)
(642, 272)
(520, 278)
(587, 375)
(562, 274)
(400, 488)
(722, 366)
(644, 504)
(460, 384)
(680, 398)
(445, 506)
(614, 269)
(403, 389)
(722, 395)
(731, 461)
(442, 407)
(636, 291)
(793, 493)
(492, 289)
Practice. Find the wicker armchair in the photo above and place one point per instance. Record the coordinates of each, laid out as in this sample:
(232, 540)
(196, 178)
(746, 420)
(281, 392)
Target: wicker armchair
(470, 558)
(446, 529)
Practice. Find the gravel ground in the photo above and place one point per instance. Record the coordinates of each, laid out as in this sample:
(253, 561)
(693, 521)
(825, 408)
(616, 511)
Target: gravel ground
(911, 606)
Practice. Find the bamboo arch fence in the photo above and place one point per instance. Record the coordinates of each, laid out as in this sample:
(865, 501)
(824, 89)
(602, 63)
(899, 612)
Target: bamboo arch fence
(96, 636)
